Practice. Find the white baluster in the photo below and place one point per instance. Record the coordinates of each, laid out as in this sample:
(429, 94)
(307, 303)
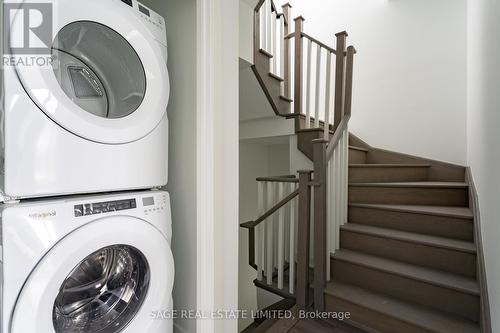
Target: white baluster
(282, 53)
(327, 95)
(318, 88)
(286, 209)
(263, 19)
(270, 235)
(269, 27)
(281, 234)
(346, 175)
(331, 203)
(260, 232)
(328, 221)
(274, 61)
(338, 196)
(308, 84)
(291, 260)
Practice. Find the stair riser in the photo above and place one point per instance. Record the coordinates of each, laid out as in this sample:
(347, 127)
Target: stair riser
(369, 318)
(387, 174)
(448, 260)
(357, 156)
(270, 86)
(409, 196)
(442, 299)
(433, 225)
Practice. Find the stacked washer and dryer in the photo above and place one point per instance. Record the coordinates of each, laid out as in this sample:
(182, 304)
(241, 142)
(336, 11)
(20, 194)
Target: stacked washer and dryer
(85, 236)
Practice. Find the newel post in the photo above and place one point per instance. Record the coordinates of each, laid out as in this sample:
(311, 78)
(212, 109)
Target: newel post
(299, 27)
(351, 51)
(339, 78)
(304, 239)
(320, 229)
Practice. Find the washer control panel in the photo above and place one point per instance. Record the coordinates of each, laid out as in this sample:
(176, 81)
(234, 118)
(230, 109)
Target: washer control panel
(151, 203)
(95, 208)
(154, 204)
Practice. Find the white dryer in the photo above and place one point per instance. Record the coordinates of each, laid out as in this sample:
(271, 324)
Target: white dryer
(94, 119)
(87, 264)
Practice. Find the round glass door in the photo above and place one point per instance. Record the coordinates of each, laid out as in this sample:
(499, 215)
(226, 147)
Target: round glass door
(103, 293)
(98, 69)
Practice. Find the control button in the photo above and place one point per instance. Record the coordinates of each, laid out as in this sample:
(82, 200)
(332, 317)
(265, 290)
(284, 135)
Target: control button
(78, 210)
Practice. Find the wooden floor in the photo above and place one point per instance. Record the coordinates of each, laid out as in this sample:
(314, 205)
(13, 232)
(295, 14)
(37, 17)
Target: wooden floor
(305, 326)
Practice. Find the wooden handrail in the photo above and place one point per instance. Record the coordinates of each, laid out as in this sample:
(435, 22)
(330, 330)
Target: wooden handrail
(278, 179)
(272, 178)
(334, 141)
(274, 209)
(259, 4)
(323, 45)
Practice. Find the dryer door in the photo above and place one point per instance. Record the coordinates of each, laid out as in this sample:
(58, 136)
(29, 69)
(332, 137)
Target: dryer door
(108, 81)
(109, 276)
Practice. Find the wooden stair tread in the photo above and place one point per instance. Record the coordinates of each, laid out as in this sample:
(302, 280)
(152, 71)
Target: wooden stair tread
(441, 242)
(264, 52)
(358, 148)
(423, 274)
(389, 165)
(277, 77)
(448, 211)
(424, 184)
(431, 320)
(287, 99)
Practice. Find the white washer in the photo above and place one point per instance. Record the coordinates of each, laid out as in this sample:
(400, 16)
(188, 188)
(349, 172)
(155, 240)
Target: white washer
(88, 264)
(95, 120)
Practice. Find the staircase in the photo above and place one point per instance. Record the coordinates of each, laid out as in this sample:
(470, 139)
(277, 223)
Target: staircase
(407, 260)
(393, 238)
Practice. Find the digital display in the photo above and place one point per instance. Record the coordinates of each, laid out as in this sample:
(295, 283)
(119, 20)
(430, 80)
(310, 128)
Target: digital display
(128, 2)
(149, 201)
(144, 10)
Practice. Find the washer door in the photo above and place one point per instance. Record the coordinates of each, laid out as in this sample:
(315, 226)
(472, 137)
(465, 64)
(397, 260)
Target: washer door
(108, 82)
(107, 277)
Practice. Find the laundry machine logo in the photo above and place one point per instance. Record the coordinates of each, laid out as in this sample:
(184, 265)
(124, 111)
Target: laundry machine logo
(43, 215)
(27, 28)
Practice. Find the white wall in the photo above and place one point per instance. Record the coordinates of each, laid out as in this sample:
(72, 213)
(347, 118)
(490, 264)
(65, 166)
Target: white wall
(410, 70)
(180, 16)
(483, 132)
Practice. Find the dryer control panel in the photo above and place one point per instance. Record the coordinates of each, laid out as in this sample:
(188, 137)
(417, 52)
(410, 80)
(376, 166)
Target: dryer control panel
(104, 207)
(154, 21)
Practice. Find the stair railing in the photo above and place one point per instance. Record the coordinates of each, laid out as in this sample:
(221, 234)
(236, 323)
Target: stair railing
(273, 236)
(320, 80)
(271, 32)
(317, 68)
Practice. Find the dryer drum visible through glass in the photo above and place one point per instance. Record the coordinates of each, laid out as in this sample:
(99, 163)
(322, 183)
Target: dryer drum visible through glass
(98, 69)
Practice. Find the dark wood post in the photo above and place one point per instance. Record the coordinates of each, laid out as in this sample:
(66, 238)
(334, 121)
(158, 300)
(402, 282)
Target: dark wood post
(304, 239)
(299, 26)
(251, 253)
(339, 78)
(286, 13)
(320, 229)
(348, 79)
